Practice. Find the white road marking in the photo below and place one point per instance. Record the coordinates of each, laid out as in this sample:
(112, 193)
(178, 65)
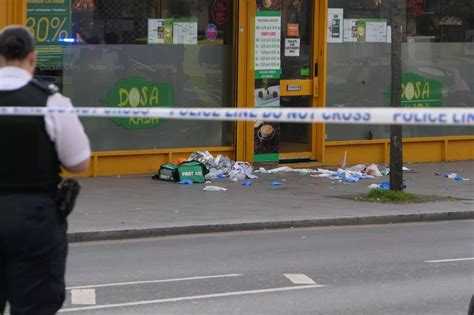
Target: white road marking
(83, 297)
(194, 297)
(448, 260)
(151, 281)
(299, 278)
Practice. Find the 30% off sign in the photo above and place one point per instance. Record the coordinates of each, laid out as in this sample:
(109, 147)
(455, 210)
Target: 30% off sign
(49, 29)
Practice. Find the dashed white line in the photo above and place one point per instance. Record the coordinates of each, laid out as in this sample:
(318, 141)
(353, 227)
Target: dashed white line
(195, 297)
(299, 278)
(151, 281)
(449, 260)
(83, 297)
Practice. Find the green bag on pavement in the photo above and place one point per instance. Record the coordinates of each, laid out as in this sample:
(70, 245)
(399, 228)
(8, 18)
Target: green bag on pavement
(192, 170)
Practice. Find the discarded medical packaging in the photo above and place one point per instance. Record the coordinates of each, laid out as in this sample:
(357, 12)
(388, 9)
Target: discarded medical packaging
(455, 176)
(214, 188)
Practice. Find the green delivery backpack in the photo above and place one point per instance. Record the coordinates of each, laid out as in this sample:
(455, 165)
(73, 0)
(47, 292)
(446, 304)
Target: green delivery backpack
(191, 170)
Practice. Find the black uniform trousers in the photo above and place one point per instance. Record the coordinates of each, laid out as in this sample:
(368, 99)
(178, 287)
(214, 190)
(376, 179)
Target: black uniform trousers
(33, 250)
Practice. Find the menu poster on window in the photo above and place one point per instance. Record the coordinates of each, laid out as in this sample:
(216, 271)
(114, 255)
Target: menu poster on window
(335, 25)
(267, 134)
(266, 142)
(50, 22)
(268, 45)
(156, 31)
(185, 32)
(354, 30)
(376, 31)
(160, 31)
(267, 93)
(267, 75)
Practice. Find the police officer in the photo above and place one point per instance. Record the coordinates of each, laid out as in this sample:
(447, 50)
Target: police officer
(33, 244)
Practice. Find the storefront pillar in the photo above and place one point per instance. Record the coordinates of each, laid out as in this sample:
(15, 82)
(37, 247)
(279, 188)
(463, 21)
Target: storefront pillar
(12, 12)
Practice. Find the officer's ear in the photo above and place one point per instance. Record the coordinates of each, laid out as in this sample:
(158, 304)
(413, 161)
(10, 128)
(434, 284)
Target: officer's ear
(31, 61)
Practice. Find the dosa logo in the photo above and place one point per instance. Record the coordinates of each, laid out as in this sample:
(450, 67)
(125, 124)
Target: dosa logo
(136, 92)
(421, 92)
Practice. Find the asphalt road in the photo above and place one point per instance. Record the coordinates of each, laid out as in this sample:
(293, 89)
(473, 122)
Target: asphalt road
(392, 269)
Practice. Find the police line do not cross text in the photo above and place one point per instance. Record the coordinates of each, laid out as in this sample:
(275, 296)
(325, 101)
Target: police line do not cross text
(400, 116)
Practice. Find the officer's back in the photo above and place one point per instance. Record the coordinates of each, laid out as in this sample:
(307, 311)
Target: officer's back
(33, 244)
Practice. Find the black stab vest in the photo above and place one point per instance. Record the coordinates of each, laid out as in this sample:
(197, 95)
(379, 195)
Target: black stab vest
(28, 158)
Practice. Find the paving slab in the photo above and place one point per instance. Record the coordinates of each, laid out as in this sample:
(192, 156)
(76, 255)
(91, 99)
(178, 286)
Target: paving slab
(137, 206)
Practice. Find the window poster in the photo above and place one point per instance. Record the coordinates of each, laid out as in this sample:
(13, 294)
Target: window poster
(335, 25)
(160, 31)
(376, 31)
(354, 30)
(156, 31)
(185, 32)
(50, 23)
(267, 45)
(389, 34)
(293, 30)
(267, 77)
(267, 93)
(292, 47)
(267, 134)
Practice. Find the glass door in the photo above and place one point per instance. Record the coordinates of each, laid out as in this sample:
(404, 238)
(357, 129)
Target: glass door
(286, 47)
(296, 60)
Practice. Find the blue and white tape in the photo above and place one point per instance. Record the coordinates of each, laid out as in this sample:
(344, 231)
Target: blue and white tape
(398, 116)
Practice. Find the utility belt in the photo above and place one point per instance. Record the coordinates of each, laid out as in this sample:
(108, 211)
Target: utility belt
(28, 190)
(64, 195)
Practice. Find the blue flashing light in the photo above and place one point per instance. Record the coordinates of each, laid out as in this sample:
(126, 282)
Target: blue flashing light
(67, 40)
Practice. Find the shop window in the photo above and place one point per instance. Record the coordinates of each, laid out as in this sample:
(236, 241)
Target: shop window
(358, 73)
(141, 53)
(444, 21)
(437, 57)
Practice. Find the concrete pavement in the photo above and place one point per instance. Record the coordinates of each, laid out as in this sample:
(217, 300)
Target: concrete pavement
(136, 206)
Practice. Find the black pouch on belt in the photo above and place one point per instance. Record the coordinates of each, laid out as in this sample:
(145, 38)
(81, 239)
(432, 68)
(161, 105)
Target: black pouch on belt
(66, 196)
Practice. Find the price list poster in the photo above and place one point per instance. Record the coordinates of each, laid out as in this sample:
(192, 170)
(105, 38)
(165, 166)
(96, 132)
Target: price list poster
(267, 77)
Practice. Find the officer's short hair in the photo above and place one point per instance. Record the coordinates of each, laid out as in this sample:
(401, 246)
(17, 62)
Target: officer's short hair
(16, 42)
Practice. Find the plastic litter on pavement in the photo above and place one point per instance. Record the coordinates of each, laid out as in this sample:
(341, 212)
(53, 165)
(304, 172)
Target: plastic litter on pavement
(404, 169)
(384, 186)
(222, 167)
(241, 171)
(455, 176)
(214, 188)
(185, 182)
(346, 175)
(285, 169)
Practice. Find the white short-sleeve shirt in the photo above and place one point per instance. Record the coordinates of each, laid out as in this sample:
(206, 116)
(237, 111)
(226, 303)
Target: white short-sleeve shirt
(65, 130)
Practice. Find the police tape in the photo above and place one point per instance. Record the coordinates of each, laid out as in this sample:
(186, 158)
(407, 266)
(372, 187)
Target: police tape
(397, 116)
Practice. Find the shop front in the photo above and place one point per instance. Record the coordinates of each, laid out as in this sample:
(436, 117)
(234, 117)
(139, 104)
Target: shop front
(263, 53)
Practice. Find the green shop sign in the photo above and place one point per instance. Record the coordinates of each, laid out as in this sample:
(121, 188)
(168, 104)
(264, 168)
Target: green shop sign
(419, 92)
(268, 74)
(50, 22)
(136, 92)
